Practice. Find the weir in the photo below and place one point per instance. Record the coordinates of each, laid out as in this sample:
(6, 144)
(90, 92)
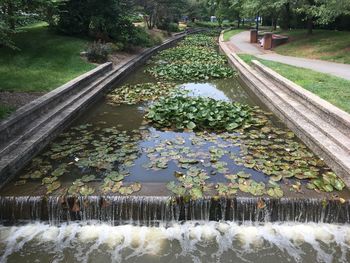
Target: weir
(154, 210)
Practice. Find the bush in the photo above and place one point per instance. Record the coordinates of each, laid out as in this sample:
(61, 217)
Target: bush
(173, 27)
(140, 38)
(98, 52)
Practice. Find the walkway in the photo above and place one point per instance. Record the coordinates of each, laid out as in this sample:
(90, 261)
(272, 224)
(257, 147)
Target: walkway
(242, 45)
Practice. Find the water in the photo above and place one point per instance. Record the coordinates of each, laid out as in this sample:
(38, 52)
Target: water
(192, 241)
(155, 210)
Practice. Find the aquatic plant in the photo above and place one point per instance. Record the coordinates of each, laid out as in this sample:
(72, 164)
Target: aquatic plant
(183, 112)
(195, 58)
(133, 94)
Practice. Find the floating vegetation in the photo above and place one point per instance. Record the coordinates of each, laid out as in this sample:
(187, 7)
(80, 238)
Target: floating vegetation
(95, 152)
(182, 112)
(195, 58)
(133, 94)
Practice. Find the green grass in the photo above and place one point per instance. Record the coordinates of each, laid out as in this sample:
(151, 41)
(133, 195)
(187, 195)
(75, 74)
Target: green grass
(5, 111)
(45, 60)
(230, 33)
(333, 89)
(323, 44)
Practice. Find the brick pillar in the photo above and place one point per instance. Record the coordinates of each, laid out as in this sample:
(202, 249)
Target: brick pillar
(253, 36)
(268, 41)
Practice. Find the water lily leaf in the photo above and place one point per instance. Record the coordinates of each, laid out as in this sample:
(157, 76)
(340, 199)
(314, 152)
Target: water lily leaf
(191, 125)
(48, 180)
(88, 178)
(125, 190)
(338, 184)
(196, 193)
(115, 176)
(136, 187)
(85, 191)
(52, 187)
(276, 178)
(310, 186)
(176, 189)
(36, 175)
(275, 192)
(73, 190)
(242, 174)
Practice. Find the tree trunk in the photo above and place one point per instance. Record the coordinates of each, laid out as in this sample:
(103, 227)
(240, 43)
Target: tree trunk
(238, 22)
(11, 16)
(257, 22)
(288, 15)
(274, 23)
(310, 24)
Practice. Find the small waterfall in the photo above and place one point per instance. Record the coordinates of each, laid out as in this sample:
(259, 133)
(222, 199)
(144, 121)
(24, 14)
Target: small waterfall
(152, 210)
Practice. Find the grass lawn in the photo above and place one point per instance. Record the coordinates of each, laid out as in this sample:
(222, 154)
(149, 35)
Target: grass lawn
(333, 89)
(44, 62)
(230, 33)
(323, 44)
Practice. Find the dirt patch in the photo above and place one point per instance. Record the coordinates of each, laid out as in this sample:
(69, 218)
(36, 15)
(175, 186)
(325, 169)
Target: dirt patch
(121, 57)
(18, 99)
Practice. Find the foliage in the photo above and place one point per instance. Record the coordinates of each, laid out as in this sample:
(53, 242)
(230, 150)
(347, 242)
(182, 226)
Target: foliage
(195, 58)
(141, 38)
(98, 52)
(5, 36)
(161, 13)
(182, 112)
(108, 21)
(133, 94)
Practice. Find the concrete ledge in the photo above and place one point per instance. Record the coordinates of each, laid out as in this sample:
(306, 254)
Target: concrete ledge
(316, 133)
(333, 114)
(26, 114)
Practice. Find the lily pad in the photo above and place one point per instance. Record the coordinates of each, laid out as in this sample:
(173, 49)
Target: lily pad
(275, 192)
(85, 191)
(53, 187)
(88, 178)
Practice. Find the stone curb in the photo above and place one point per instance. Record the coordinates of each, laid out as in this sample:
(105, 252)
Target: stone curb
(336, 116)
(24, 115)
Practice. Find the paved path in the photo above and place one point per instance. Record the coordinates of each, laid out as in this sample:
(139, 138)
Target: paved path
(242, 45)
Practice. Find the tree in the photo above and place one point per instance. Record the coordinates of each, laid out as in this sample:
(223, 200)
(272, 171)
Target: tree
(321, 11)
(101, 19)
(196, 9)
(222, 9)
(160, 12)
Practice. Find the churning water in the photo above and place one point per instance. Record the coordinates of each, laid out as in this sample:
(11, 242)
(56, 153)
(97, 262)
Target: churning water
(192, 241)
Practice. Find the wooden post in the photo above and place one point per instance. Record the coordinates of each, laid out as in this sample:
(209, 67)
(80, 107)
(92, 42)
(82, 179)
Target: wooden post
(268, 41)
(253, 36)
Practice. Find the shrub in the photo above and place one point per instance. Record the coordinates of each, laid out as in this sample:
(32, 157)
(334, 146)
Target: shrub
(173, 27)
(98, 52)
(140, 38)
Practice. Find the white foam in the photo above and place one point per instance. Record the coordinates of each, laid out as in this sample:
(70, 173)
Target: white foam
(91, 238)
